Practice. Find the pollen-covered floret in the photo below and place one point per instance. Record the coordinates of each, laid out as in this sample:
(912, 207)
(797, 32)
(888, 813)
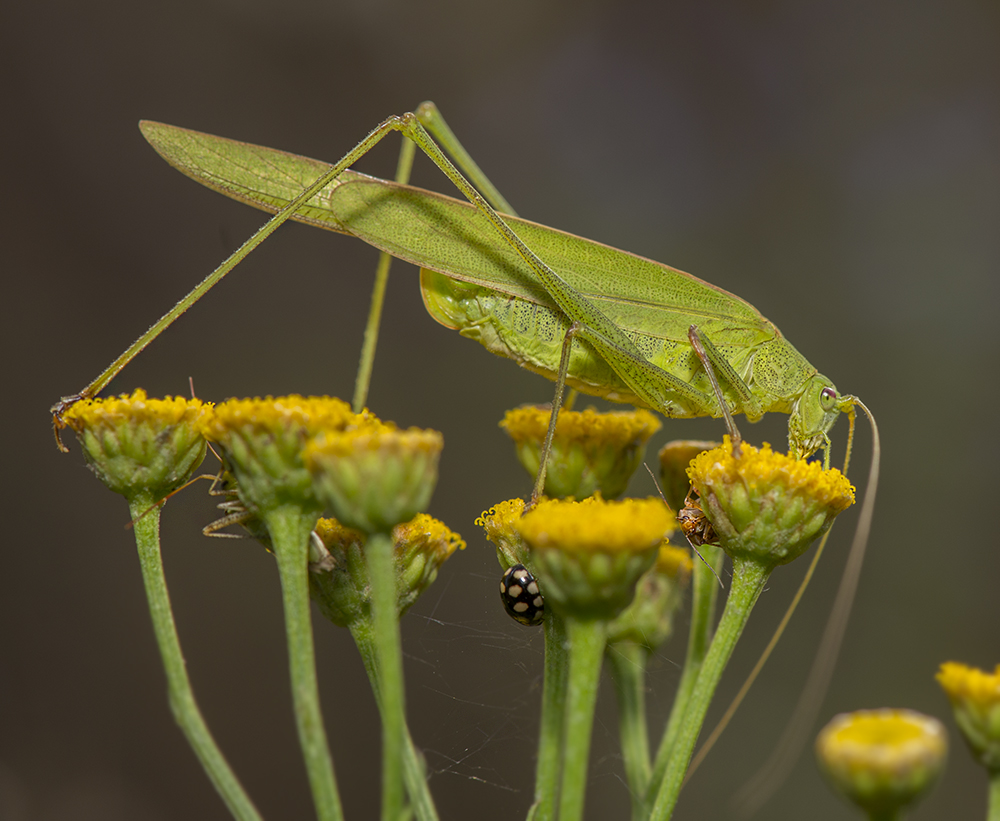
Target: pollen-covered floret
(592, 452)
(374, 477)
(134, 443)
(500, 524)
(589, 555)
(765, 505)
(340, 583)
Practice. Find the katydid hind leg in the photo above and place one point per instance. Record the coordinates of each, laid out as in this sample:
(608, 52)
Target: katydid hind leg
(394, 123)
(431, 118)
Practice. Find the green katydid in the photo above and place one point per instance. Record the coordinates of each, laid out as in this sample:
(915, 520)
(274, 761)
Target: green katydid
(633, 314)
(494, 277)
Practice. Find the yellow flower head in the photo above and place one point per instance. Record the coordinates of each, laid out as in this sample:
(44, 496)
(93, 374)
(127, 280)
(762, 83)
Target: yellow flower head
(882, 760)
(596, 525)
(589, 555)
(766, 506)
(340, 584)
(374, 477)
(263, 441)
(135, 444)
(674, 562)
(305, 415)
(591, 451)
(500, 524)
(975, 700)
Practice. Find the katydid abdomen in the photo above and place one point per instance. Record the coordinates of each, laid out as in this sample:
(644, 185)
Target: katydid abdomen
(531, 334)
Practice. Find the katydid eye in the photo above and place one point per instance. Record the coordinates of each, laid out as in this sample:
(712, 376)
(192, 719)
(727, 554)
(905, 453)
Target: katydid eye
(827, 398)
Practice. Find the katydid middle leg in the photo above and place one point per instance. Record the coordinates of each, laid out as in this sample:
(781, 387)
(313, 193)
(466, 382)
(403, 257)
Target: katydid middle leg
(699, 345)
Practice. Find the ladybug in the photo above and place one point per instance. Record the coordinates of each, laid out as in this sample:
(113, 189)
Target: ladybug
(521, 597)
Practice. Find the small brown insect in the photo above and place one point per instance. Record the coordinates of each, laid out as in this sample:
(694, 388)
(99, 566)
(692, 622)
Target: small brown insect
(694, 524)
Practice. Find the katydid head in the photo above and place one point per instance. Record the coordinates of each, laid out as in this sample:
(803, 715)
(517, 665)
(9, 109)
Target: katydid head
(813, 414)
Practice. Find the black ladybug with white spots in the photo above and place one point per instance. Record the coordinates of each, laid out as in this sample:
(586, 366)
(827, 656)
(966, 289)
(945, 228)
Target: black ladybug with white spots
(521, 597)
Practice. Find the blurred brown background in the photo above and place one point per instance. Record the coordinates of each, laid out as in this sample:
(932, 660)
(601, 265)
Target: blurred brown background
(834, 162)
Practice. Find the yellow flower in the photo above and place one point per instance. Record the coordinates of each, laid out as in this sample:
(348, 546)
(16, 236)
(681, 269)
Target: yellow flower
(764, 505)
(138, 444)
(263, 441)
(975, 700)
(341, 585)
(500, 524)
(589, 555)
(882, 760)
(591, 451)
(375, 477)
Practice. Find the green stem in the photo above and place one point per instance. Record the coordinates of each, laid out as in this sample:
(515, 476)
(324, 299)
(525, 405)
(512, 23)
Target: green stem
(550, 737)
(748, 581)
(628, 664)
(385, 616)
(364, 378)
(414, 772)
(180, 694)
(586, 649)
(993, 813)
(705, 591)
(290, 526)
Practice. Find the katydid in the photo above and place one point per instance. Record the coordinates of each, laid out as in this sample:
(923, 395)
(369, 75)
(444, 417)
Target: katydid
(606, 322)
(634, 314)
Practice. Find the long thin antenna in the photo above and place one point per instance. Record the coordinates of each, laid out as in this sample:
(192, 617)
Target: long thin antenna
(756, 792)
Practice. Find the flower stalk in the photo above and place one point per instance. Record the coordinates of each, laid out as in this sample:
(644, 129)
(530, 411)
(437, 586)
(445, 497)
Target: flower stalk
(145, 449)
(550, 740)
(586, 641)
(374, 478)
(290, 526)
(146, 518)
(705, 593)
(628, 667)
(749, 577)
(414, 770)
(263, 441)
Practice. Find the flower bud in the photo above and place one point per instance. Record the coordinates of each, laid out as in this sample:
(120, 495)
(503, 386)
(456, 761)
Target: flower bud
(589, 555)
(882, 760)
(975, 700)
(674, 460)
(263, 440)
(766, 506)
(592, 452)
(137, 444)
(375, 478)
(340, 583)
(648, 620)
